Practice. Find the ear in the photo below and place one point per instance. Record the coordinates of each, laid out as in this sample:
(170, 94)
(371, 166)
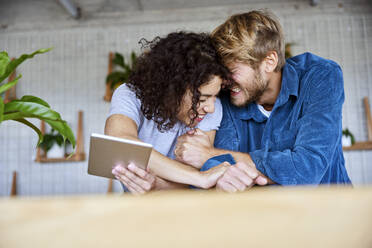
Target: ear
(271, 61)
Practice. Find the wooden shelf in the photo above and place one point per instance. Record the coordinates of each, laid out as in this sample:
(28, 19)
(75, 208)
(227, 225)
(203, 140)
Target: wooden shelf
(366, 145)
(73, 158)
(11, 93)
(79, 153)
(13, 191)
(108, 94)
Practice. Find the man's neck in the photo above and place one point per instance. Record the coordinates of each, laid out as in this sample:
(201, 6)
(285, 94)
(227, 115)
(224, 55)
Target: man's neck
(268, 98)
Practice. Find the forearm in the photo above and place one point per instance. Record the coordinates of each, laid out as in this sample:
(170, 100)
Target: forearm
(162, 184)
(174, 171)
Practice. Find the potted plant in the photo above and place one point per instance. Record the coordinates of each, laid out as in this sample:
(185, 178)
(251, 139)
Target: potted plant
(347, 138)
(53, 145)
(28, 106)
(121, 73)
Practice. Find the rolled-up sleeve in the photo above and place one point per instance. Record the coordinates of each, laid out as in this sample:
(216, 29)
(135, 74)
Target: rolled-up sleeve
(318, 133)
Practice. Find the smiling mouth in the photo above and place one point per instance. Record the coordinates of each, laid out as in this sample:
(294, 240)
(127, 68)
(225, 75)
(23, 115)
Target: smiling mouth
(235, 91)
(199, 118)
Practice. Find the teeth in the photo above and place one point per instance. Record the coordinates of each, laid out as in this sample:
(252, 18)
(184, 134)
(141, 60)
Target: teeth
(235, 89)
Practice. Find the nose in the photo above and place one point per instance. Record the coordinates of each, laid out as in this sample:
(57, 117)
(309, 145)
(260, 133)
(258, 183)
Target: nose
(209, 107)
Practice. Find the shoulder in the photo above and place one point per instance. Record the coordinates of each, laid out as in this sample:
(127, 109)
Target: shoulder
(125, 102)
(316, 72)
(308, 63)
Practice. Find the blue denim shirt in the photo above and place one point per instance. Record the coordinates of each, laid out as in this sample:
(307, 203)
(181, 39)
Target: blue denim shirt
(300, 143)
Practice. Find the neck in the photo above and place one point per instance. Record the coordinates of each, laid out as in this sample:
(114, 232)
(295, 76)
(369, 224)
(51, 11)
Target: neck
(268, 98)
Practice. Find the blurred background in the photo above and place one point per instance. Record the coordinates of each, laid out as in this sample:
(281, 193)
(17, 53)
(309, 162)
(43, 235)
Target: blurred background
(72, 76)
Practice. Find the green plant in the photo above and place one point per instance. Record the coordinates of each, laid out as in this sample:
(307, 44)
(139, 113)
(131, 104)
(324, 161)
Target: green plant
(347, 133)
(50, 139)
(118, 77)
(28, 106)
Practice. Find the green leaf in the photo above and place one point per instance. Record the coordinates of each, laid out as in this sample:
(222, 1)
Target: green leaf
(4, 61)
(133, 57)
(62, 127)
(12, 65)
(34, 99)
(1, 109)
(31, 109)
(9, 85)
(119, 60)
(27, 123)
(114, 77)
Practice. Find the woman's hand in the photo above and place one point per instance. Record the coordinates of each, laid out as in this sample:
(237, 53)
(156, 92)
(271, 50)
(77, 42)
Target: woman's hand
(193, 148)
(137, 180)
(212, 175)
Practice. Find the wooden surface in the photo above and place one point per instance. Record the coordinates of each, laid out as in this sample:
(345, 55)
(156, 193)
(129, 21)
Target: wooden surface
(270, 217)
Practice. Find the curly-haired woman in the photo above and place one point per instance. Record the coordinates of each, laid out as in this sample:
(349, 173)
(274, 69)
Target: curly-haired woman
(173, 89)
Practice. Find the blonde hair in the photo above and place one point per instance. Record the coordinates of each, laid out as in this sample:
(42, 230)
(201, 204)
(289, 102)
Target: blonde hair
(249, 37)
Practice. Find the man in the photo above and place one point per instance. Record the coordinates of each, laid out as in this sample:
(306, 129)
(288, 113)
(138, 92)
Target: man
(283, 119)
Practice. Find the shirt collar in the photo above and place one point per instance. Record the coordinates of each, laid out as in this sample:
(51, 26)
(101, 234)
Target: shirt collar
(250, 111)
(290, 84)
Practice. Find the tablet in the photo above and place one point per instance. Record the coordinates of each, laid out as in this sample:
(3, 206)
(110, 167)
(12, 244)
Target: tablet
(107, 151)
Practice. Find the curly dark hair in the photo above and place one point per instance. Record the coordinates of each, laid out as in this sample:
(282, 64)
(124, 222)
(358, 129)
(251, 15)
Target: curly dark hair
(173, 64)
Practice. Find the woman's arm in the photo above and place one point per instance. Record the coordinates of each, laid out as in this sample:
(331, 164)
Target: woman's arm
(124, 127)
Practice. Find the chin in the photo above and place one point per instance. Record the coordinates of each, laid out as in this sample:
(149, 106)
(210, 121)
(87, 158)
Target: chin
(239, 102)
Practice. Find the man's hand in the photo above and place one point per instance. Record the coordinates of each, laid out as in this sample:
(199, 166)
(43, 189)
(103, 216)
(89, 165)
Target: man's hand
(240, 177)
(193, 148)
(137, 180)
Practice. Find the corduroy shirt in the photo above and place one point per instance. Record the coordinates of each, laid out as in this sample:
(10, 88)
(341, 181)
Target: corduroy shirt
(300, 143)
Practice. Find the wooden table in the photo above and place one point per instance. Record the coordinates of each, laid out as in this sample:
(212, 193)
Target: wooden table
(262, 217)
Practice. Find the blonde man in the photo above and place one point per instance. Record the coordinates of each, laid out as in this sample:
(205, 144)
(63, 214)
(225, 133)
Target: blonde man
(281, 120)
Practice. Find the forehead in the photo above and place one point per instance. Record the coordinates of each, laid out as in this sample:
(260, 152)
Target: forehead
(234, 66)
(212, 87)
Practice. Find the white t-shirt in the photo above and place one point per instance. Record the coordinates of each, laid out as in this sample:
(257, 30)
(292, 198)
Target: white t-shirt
(125, 102)
(264, 111)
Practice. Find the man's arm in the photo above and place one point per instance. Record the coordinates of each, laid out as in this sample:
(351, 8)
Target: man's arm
(122, 126)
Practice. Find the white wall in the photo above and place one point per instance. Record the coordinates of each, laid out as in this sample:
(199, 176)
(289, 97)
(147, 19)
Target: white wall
(71, 78)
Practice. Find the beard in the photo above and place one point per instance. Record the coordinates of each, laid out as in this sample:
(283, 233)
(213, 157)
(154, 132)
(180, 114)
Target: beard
(253, 92)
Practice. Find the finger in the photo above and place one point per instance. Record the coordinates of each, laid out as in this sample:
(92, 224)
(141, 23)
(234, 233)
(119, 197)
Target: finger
(260, 180)
(135, 179)
(225, 186)
(251, 172)
(235, 182)
(140, 172)
(199, 132)
(241, 175)
(118, 166)
(133, 188)
(136, 188)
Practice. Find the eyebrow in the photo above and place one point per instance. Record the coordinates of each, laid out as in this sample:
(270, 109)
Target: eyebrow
(207, 95)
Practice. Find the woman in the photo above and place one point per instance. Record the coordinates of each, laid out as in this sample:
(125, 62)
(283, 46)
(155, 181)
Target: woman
(173, 89)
